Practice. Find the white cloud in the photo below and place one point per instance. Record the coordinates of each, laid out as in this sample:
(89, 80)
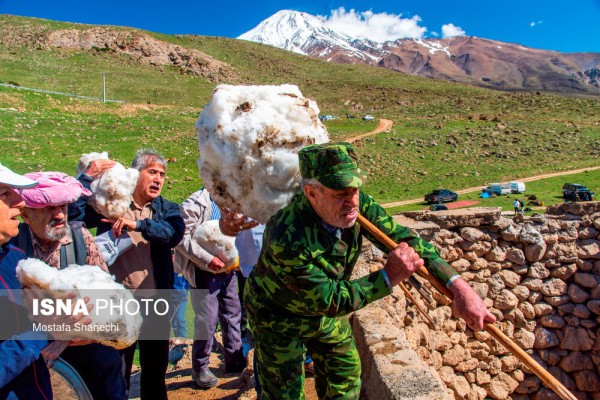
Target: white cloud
(379, 27)
(451, 30)
(533, 23)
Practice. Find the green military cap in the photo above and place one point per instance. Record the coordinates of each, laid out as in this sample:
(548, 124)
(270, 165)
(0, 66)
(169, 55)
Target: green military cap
(335, 165)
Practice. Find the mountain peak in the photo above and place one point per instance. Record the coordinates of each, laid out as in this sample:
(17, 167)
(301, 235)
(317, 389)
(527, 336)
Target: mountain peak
(286, 29)
(464, 59)
(307, 34)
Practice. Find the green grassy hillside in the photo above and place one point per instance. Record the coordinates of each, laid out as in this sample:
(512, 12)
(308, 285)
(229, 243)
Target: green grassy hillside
(444, 134)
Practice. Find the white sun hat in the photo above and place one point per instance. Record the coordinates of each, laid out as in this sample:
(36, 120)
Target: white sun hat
(17, 181)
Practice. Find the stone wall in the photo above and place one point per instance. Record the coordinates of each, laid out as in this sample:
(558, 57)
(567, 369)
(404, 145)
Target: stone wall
(539, 275)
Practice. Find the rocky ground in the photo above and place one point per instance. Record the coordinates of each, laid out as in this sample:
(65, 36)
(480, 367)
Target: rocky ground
(231, 386)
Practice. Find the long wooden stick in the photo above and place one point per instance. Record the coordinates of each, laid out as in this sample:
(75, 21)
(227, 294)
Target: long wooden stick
(525, 358)
(417, 305)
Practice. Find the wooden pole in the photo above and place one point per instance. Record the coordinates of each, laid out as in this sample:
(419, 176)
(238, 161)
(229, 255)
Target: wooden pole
(417, 305)
(496, 333)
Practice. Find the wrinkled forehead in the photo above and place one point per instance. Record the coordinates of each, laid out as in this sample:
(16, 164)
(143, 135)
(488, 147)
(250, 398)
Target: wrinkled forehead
(155, 166)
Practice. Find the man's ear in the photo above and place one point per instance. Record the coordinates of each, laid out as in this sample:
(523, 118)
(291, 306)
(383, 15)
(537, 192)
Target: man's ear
(310, 192)
(25, 215)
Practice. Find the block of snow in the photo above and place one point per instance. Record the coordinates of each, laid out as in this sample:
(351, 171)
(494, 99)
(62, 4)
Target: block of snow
(90, 281)
(210, 238)
(86, 159)
(248, 138)
(112, 192)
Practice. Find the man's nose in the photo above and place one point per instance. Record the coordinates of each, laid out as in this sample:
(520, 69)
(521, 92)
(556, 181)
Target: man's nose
(353, 199)
(59, 213)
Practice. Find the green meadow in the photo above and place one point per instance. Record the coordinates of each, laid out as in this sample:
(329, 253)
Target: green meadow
(444, 134)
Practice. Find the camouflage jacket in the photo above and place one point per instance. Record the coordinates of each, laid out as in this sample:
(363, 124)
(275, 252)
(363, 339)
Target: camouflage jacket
(303, 270)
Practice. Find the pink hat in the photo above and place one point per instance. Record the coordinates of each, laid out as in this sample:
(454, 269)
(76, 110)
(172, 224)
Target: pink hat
(54, 189)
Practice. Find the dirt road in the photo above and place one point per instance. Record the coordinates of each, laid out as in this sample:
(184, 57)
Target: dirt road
(384, 125)
(478, 188)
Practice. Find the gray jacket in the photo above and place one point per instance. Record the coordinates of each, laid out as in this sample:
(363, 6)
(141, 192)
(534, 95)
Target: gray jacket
(189, 255)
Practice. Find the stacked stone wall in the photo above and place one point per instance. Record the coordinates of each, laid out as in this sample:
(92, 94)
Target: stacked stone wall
(538, 275)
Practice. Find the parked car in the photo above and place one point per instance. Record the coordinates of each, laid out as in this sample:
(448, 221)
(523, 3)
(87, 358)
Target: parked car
(576, 192)
(441, 196)
(327, 117)
(368, 118)
(498, 188)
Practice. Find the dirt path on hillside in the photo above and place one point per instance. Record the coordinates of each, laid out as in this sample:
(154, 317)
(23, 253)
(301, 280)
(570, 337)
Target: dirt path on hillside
(478, 188)
(384, 125)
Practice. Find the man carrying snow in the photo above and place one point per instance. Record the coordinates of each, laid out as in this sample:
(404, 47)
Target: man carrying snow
(155, 228)
(299, 295)
(215, 287)
(47, 236)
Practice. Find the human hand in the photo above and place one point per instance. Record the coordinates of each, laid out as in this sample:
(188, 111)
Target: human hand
(232, 223)
(82, 342)
(121, 225)
(53, 351)
(469, 305)
(216, 264)
(401, 263)
(97, 167)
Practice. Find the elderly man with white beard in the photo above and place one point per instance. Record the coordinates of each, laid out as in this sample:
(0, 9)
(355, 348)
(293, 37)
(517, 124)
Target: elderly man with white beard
(155, 228)
(47, 235)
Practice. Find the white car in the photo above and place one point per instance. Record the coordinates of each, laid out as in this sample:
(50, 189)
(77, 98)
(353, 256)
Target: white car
(368, 118)
(327, 117)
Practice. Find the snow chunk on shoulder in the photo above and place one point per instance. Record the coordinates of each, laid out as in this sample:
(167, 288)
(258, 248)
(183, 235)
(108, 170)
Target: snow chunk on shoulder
(112, 192)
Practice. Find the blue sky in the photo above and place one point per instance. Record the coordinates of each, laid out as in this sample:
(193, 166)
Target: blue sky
(552, 24)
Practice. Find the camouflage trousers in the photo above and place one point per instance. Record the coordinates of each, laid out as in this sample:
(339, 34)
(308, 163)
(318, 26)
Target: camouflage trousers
(280, 361)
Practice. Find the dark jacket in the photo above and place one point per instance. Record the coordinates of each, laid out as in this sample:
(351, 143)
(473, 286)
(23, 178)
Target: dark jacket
(73, 253)
(164, 231)
(23, 372)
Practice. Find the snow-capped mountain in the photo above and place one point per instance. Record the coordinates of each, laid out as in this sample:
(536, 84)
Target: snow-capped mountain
(306, 34)
(463, 59)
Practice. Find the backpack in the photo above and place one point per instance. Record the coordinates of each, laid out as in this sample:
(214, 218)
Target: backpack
(72, 253)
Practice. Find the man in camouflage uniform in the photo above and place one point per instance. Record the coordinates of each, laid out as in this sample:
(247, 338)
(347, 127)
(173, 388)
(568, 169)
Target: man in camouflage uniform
(299, 295)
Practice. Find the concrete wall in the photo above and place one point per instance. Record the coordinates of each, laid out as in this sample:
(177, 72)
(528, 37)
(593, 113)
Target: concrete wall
(539, 275)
